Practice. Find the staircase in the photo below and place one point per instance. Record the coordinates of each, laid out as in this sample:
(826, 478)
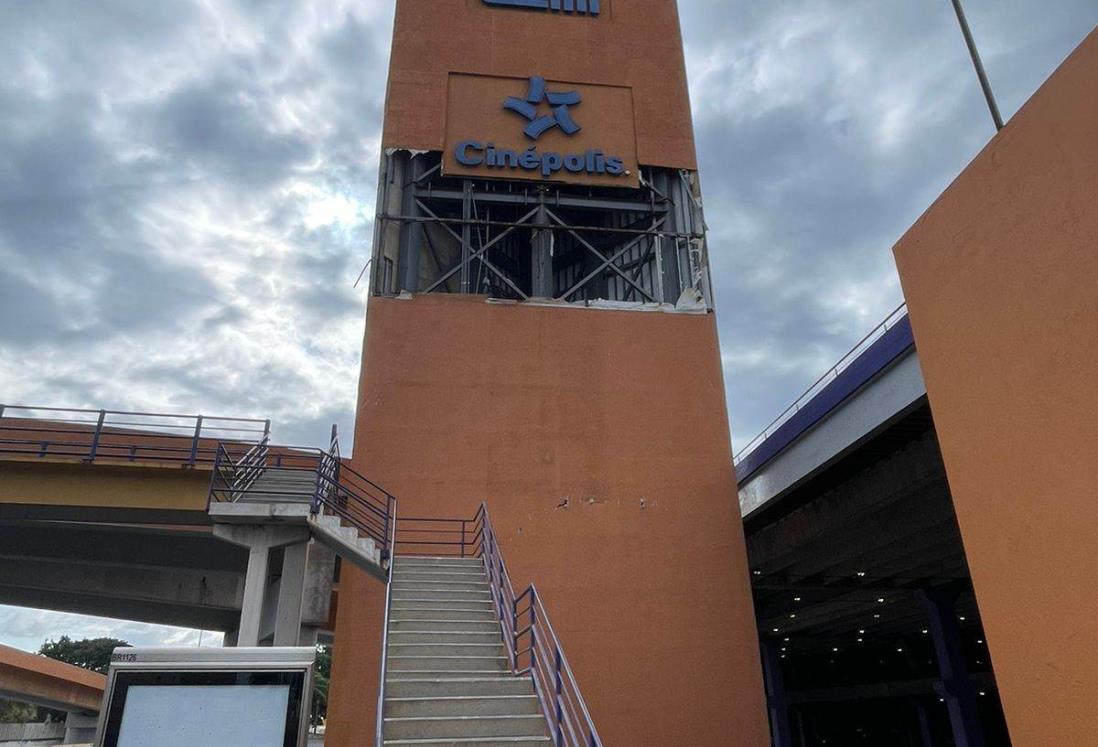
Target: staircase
(449, 679)
(342, 509)
(273, 485)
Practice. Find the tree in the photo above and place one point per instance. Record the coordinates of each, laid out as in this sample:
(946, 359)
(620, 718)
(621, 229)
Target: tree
(89, 653)
(14, 712)
(321, 676)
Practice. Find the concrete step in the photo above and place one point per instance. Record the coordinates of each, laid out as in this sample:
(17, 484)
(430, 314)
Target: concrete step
(494, 648)
(402, 583)
(470, 742)
(424, 624)
(445, 596)
(456, 686)
(431, 611)
(465, 726)
(447, 663)
(444, 674)
(406, 561)
(458, 573)
(443, 637)
(467, 705)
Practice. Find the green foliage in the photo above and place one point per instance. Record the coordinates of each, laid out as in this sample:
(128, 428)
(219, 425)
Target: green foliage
(89, 653)
(14, 712)
(321, 678)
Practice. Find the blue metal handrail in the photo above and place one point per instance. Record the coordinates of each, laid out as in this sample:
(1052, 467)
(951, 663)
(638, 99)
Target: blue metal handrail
(379, 739)
(533, 648)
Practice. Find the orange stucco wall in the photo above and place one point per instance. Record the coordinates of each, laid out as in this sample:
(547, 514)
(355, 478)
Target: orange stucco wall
(634, 43)
(1001, 277)
(621, 413)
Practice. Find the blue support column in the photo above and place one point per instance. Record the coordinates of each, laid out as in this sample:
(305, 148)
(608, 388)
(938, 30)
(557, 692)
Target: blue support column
(781, 735)
(955, 685)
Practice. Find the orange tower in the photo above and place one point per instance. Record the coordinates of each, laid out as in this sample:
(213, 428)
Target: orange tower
(540, 337)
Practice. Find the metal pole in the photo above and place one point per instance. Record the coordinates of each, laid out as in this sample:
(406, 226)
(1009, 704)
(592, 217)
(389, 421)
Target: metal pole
(95, 438)
(985, 84)
(194, 442)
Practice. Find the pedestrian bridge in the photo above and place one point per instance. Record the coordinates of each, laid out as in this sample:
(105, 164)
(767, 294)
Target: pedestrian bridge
(105, 513)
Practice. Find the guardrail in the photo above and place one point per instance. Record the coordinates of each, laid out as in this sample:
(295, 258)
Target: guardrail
(331, 487)
(459, 538)
(379, 739)
(126, 436)
(832, 373)
(534, 649)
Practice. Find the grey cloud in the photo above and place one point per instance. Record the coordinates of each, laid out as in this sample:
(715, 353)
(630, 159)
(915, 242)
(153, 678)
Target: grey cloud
(186, 188)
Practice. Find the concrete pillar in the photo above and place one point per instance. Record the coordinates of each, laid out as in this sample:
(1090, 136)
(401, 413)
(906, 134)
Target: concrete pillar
(260, 540)
(255, 591)
(290, 595)
(781, 735)
(80, 727)
(955, 686)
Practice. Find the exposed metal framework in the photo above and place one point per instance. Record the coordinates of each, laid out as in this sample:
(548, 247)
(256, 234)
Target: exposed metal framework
(522, 240)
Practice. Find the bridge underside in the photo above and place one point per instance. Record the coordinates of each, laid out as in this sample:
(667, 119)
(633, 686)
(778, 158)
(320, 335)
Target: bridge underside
(870, 628)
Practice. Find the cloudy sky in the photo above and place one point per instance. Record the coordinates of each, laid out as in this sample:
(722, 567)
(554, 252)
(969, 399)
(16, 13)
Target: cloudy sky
(187, 187)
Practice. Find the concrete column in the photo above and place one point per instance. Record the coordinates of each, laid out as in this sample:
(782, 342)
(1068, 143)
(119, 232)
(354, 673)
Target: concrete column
(955, 686)
(290, 595)
(310, 636)
(260, 540)
(255, 591)
(80, 728)
(781, 735)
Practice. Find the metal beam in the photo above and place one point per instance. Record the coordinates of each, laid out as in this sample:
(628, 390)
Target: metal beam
(557, 200)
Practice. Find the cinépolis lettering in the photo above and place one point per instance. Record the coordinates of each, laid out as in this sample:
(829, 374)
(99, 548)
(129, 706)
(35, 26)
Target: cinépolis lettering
(473, 153)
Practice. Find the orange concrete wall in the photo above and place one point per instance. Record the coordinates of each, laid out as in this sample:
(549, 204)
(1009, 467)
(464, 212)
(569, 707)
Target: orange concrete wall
(1001, 277)
(621, 413)
(634, 43)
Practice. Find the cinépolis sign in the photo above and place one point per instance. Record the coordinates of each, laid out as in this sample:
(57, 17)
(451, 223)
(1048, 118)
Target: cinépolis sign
(542, 131)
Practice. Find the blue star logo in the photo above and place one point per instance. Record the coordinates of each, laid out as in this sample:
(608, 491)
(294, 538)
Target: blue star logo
(559, 102)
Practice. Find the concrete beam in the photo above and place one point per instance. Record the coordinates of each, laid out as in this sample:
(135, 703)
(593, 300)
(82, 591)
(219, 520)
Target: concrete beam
(866, 412)
(49, 683)
(209, 589)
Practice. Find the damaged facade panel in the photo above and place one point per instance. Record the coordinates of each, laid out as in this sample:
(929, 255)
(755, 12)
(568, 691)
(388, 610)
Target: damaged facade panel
(576, 244)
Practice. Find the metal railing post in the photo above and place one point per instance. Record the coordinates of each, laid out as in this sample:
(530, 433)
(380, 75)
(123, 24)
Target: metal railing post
(559, 699)
(194, 442)
(213, 476)
(314, 506)
(389, 550)
(95, 438)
